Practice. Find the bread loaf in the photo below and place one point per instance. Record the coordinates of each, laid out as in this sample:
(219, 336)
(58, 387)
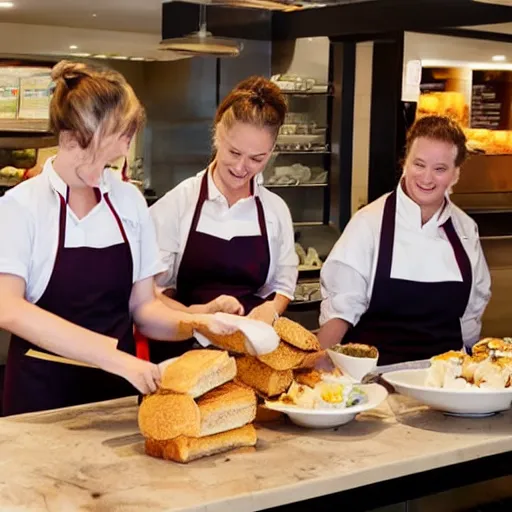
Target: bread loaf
(261, 377)
(296, 335)
(185, 449)
(165, 416)
(226, 408)
(198, 371)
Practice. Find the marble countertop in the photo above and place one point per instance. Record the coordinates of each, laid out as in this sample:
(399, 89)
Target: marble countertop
(91, 458)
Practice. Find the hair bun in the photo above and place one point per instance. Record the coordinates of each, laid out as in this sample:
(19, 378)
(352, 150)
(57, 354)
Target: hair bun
(263, 91)
(66, 70)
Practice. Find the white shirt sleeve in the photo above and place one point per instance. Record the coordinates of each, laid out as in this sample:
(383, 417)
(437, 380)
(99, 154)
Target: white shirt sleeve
(471, 322)
(166, 220)
(150, 262)
(284, 278)
(16, 235)
(345, 277)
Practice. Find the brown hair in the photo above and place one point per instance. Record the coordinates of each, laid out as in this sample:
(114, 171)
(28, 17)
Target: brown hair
(439, 128)
(89, 101)
(255, 101)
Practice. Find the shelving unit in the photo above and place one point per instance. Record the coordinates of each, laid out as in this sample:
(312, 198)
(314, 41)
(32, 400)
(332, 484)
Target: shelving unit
(308, 192)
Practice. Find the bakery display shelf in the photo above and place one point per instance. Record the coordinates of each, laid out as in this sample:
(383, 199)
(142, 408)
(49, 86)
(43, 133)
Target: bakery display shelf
(300, 185)
(5, 183)
(18, 140)
(317, 91)
(304, 305)
(24, 125)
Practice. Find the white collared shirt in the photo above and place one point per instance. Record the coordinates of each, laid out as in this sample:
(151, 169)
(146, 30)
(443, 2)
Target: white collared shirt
(173, 214)
(348, 274)
(29, 228)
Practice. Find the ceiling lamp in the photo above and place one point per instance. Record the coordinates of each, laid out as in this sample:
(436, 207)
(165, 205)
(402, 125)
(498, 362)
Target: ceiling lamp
(202, 42)
(496, 2)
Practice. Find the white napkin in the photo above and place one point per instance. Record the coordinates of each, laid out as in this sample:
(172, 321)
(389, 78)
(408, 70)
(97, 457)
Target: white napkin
(260, 337)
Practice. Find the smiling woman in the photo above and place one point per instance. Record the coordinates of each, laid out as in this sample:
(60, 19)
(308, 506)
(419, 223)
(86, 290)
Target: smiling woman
(408, 274)
(228, 242)
(77, 267)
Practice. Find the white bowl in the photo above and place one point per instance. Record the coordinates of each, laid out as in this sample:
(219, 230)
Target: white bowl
(470, 401)
(355, 367)
(329, 418)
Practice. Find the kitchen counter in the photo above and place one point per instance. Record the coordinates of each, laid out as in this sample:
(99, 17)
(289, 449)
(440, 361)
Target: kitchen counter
(91, 458)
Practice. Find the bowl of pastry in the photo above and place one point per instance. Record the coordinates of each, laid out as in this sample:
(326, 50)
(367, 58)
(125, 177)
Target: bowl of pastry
(354, 359)
(460, 384)
(318, 399)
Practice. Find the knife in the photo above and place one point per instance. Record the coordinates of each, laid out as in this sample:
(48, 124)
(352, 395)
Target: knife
(375, 375)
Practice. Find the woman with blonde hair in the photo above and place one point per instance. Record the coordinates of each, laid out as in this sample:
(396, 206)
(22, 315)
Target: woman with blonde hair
(227, 242)
(78, 258)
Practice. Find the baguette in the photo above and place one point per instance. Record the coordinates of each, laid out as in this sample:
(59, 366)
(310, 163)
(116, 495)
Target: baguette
(234, 342)
(308, 377)
(296, 335)
(226, 408)
(311, 359)
(285, 357)
(261, 377)
(185, 449)
(165, 416)
(264, 415)
(198, 371)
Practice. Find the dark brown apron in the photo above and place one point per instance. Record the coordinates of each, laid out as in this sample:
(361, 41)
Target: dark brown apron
(211, 266)
(413, 320)
(89, 287)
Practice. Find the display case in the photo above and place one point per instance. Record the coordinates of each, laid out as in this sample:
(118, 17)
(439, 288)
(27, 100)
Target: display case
(25, 92)
(480, 100)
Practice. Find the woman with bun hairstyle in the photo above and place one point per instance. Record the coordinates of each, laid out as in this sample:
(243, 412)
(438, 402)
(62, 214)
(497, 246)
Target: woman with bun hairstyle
(227, 242)
(78, 256)
(408, 274)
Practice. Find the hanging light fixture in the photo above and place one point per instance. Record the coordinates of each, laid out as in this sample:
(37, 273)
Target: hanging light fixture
(202, 42)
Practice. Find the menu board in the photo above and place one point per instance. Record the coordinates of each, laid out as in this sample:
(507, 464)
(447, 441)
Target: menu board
(35, 97)
(487, 102)
(9, 90)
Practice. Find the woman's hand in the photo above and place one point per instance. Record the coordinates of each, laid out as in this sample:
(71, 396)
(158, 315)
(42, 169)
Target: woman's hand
(142, 375)
(225, 304)
(265, 312)
(213, 324)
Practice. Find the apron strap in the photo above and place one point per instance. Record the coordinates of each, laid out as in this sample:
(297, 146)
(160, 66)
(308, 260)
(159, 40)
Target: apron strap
(261, 217)
(387, 238)
(62, 222)
(460, 254)
(203, 196)
(116, 216)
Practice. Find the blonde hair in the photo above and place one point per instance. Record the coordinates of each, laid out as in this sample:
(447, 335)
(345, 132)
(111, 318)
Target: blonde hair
(256, 101)
(91, 103)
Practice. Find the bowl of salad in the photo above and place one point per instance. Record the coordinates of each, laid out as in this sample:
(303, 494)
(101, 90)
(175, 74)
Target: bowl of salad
(354, 359)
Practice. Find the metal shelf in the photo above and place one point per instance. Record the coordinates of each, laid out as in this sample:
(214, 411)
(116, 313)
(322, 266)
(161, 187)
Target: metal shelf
(24, 125)
(27, 141)
(302, 185)
(302, 152)
(312, 223)
(5, 183)
(321, 91)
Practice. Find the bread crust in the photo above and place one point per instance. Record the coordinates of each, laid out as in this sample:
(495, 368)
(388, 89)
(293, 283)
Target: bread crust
(296, 335)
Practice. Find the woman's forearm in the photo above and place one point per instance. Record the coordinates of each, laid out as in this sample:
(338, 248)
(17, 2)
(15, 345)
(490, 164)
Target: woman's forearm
(159, 322)
(178, 306)
(332, 332)
(57, 335)
(280, 303)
